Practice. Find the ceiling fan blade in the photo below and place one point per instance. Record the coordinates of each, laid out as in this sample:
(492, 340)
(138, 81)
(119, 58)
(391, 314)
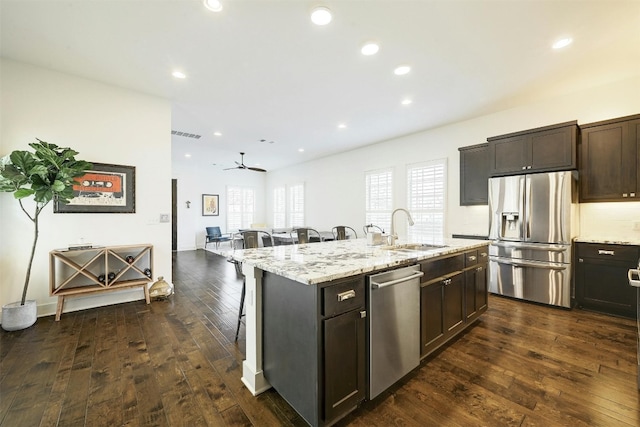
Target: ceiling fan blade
(255, 169)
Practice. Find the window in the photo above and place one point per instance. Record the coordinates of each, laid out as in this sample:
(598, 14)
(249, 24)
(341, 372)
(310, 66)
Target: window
(426, 195)
(279, 207)
(240, 207)
(296, 205)
(379, 198)
(288, 206)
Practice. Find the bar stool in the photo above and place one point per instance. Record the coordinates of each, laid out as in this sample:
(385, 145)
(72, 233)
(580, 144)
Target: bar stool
(251, 239)
(340, 232)
(304, 235)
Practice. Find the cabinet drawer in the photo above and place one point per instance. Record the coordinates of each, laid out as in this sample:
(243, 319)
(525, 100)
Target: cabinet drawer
(608, 252)
(470, 258)
(483, 255)
(343, 297)
(441, 267)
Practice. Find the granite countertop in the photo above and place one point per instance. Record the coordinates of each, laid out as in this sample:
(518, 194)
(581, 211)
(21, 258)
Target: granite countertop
(315, 263)
(631, 240)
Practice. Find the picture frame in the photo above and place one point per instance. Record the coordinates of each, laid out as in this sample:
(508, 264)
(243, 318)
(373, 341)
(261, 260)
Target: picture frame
(106, 188)
(210, 205)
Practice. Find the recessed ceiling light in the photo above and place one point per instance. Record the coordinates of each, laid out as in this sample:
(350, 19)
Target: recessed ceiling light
(321, 15)
(187, 155)
(217, 134)
(179, 75)
(406, 101)
(564, 42)
(402, 70)
(342, 126)
(301, 150)
(370, 49)
(213, 5)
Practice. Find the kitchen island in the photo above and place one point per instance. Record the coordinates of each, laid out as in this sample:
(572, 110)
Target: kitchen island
(306, 314)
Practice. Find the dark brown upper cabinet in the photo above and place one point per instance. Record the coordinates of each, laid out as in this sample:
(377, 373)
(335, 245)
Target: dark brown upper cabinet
(474, 175)
(545, 149)
(609, 164)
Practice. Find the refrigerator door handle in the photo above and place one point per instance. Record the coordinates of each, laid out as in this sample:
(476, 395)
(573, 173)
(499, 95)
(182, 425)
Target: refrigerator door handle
(544, 265)
(530, 246)
(527, 206)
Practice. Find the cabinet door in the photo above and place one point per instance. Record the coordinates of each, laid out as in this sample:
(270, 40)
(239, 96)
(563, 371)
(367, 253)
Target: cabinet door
(475, 291)
(605, 288)
(344, 358)
(432, 328)
(603, 176)
(609, 162)
(474, 175)
(453, 296)
(554, 149)
(507, 155)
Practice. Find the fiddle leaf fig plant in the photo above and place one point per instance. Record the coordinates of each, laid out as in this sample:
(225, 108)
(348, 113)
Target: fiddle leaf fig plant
(48, 173)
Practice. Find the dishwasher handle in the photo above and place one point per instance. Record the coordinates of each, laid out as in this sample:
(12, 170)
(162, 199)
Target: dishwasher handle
(415, 275)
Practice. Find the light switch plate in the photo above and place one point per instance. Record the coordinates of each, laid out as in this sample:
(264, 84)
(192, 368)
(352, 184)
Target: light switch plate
(164, 217)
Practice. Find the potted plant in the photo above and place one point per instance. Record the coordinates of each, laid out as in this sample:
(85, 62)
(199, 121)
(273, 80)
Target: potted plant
(48, 173)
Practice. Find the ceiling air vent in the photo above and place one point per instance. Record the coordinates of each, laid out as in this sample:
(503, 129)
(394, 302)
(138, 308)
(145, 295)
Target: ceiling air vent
(185, 134)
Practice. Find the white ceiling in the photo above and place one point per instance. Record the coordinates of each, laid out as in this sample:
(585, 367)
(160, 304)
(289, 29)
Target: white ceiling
(261, 70)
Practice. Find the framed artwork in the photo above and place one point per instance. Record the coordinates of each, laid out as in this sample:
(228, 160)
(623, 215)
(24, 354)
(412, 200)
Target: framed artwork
(104, 189)
(210, 205)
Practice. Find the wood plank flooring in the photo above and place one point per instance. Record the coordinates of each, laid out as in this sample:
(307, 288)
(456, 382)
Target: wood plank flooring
(174, 363)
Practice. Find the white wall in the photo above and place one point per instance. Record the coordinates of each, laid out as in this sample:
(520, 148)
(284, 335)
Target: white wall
(106, 124)
(193, 182)
(335, 184)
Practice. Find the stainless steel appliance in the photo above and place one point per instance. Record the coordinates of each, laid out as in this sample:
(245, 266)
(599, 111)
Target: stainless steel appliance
(394, 326)
(533, 221)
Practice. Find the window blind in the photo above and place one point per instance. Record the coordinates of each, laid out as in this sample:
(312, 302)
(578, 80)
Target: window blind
(296, 205)
(426, 195)
(279, 207)
(240, 207)
(379, 198)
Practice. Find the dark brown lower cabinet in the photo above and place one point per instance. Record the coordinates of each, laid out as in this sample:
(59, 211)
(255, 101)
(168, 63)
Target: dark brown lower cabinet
(601, 278)
(453, 294)
(344, 361)
(314, 345)
(475, 291)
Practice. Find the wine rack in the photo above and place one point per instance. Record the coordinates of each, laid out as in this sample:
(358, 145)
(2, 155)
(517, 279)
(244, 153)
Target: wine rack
(99, 269)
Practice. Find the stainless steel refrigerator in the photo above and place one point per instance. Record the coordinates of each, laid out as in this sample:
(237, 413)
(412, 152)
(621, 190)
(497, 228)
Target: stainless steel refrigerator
(533, 221)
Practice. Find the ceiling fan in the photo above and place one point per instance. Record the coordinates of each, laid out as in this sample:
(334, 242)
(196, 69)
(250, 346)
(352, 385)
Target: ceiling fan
(241, 165)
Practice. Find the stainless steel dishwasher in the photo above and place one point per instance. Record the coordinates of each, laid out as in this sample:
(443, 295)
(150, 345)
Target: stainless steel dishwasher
(394, 326)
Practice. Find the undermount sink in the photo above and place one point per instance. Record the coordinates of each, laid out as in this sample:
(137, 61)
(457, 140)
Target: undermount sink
(412, 247)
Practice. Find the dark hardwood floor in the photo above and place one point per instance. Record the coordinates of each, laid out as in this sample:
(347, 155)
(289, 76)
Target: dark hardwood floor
(174, 363)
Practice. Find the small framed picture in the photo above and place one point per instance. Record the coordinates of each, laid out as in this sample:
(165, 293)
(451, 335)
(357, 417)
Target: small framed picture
(210, 205)
(104, 189)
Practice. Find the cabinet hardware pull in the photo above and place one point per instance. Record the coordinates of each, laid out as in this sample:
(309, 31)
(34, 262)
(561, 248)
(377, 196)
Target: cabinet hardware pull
(483, 254)
(342, 296)
(479, 269)
(633, 194)
(625, 195)
(580, 260)
(524, 167)
(363, 314)
(528, 167)
(472, 258)
(605, 252)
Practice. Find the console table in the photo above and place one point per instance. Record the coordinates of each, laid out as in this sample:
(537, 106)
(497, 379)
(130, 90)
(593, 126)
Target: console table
(75, 272)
